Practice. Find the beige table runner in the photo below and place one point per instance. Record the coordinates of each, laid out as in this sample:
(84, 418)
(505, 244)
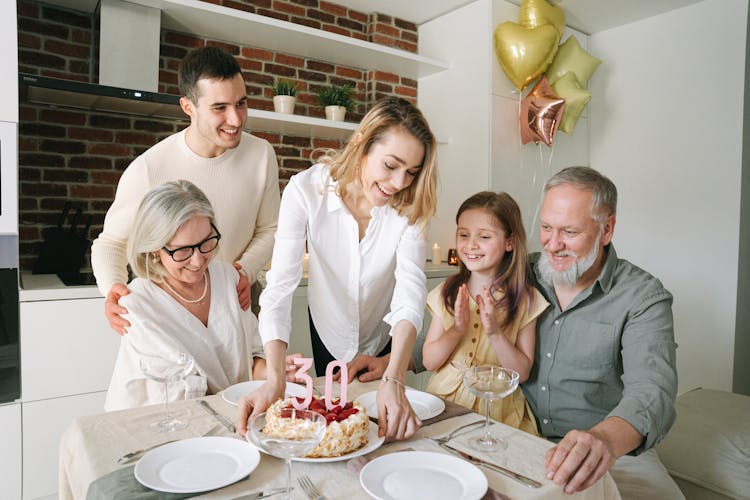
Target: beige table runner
(91, 445)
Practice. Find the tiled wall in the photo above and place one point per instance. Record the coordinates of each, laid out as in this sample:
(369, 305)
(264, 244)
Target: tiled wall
(73, 155)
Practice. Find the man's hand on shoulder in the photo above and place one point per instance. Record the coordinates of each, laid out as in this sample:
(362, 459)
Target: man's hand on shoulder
(114, 311)
(243, 288)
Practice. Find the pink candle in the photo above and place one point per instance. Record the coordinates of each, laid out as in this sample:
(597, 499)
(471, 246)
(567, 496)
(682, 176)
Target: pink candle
(302, 373)
(343, 382)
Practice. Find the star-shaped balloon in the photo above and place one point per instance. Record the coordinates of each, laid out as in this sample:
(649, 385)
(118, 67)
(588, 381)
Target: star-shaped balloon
(541, 112)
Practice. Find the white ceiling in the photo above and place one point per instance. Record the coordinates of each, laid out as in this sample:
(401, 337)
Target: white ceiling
(588, 16)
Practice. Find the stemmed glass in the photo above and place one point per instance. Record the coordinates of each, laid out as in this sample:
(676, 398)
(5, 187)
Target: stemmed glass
(167, 370)
(489, 383)
(308, 427)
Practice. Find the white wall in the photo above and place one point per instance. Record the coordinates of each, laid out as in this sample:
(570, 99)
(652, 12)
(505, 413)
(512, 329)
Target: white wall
(457, 105)
(666, 126)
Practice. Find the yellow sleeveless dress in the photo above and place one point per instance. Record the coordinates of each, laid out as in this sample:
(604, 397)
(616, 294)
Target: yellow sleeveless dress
(475, 349)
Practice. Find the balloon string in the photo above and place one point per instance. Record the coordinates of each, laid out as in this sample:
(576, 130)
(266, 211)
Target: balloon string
(541, 191)
(521, 170)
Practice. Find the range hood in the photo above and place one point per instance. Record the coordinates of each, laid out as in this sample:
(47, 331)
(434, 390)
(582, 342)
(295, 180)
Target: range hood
(91, 96)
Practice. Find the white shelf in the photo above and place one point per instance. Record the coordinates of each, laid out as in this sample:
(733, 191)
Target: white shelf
(240, 27)
(298, 125)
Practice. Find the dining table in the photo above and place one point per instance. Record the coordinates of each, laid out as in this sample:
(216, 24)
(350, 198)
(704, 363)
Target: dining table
(91, 445)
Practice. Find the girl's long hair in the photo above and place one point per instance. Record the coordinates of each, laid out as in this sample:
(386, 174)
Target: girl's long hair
(512, 276)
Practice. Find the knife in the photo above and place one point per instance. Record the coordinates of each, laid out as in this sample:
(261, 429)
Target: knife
(502, 470)
(261, 494)
(218, 416)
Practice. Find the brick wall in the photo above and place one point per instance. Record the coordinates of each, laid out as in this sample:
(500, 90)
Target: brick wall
(73, 155)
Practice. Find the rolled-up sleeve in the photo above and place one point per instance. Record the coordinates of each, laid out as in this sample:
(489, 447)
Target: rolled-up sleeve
(410, 292)
(649, 369)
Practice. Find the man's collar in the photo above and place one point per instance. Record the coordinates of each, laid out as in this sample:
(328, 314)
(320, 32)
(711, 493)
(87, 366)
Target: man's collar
(607, 275)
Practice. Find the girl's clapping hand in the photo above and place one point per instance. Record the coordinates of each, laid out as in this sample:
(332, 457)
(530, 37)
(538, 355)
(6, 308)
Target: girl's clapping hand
(487, 311)
(461, 310)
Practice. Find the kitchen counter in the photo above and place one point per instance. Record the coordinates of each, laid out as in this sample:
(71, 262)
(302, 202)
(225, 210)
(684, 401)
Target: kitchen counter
(38, 287)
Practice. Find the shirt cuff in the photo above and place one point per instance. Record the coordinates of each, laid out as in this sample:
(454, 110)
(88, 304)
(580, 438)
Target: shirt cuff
(634, 413)
(415, 318)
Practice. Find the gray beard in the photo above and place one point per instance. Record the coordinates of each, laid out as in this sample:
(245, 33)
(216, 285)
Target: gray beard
(570, 276)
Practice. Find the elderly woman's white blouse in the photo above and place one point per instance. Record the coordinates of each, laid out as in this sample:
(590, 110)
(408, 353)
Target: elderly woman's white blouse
(222, 350)
(356, 290)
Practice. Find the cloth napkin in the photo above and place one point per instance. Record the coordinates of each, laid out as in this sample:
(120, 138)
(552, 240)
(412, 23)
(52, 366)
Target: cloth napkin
(121, 484)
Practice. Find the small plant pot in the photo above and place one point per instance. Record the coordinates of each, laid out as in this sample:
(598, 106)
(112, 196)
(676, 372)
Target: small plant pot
(284, 104)
(335, 113)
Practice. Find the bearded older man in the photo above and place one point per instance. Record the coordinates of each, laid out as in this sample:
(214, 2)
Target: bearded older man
(604, 379)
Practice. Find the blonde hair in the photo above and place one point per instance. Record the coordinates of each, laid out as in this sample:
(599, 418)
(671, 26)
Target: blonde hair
(161, 213)
(416, 202)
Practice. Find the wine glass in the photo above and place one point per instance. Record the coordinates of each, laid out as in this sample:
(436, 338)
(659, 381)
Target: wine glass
(488, 383)
(303, 431)
(166, 370)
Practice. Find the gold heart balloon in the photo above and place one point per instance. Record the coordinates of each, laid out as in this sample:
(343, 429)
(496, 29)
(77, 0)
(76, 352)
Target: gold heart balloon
(524, 53)
(535, 13)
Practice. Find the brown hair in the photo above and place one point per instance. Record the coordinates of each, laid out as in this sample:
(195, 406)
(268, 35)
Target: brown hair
(512, 277)
(205, 62)
(418, 201)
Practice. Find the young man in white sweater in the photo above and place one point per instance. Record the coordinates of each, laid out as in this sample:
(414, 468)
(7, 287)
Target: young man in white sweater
(237, 172)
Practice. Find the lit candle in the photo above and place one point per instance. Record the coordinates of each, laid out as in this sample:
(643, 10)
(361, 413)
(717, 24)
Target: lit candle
(452, 257)
(437, 255)
(304, 262)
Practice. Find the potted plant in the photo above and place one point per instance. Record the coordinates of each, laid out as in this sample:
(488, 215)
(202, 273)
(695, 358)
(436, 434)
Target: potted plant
(336, 100)
(284, 97)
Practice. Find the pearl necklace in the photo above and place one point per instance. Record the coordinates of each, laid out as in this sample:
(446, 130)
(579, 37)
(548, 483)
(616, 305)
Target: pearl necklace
(199, 299)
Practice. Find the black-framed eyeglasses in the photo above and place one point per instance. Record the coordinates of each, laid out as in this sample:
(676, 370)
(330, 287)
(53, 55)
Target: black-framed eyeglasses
(184, 253)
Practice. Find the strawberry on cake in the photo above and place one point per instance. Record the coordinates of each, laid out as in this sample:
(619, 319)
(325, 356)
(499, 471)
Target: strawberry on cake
(346, 429)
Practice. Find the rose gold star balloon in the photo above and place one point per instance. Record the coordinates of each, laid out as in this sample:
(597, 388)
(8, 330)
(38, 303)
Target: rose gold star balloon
(541, 112)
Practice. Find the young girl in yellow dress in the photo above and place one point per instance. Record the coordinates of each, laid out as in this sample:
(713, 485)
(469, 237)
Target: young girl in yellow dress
(486, 313)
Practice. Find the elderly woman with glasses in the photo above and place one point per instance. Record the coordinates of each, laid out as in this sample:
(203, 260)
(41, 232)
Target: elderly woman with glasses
(182, 301)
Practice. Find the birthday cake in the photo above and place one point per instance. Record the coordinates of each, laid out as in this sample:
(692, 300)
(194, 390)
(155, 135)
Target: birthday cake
(346, 430)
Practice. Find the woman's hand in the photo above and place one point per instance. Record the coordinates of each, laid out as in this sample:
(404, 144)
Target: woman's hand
(396, 418)
(257, 402)
(461, 310)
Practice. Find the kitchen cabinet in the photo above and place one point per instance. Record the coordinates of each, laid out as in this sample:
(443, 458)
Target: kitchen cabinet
(67, 356)
(10, 451)
(44, 423)
(67, 348)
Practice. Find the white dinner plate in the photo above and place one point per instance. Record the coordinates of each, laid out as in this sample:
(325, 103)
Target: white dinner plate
(373, 443)
(425, 405)
(234, 393)
(197, 464)
(422, 474)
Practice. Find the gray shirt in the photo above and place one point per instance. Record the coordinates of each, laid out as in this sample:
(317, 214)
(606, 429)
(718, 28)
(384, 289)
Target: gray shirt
(610, 353)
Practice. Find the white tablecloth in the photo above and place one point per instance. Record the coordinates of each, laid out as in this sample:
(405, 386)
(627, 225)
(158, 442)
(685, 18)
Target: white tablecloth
(91, 445)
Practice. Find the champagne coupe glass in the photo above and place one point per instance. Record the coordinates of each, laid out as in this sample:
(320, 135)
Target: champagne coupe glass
(488, 383)
(302, 431)
(167, 370)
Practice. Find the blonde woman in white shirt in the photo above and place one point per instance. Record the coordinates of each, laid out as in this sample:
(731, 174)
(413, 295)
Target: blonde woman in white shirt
(362, 214)
(182, 301)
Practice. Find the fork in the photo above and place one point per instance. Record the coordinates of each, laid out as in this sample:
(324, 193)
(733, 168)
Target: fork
(309, 488)
(444, 439)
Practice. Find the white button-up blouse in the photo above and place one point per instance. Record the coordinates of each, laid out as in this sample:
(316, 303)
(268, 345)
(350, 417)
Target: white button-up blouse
(356, 290)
